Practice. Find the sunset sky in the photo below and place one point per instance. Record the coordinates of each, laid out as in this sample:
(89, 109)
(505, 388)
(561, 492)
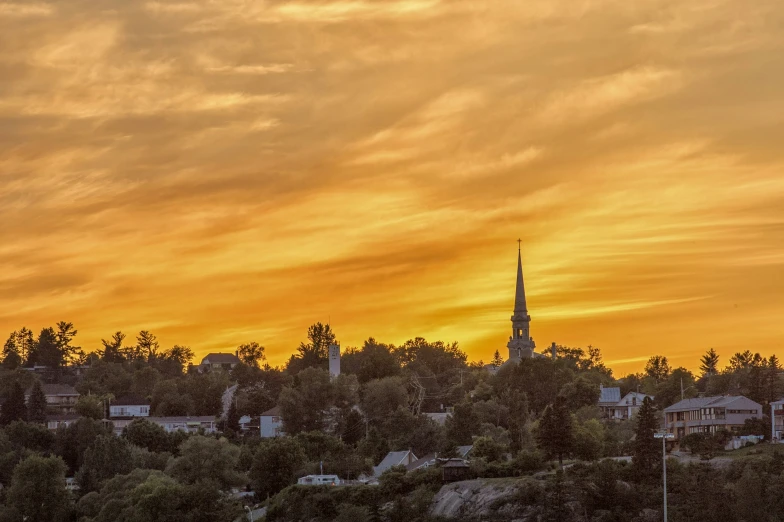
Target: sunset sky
(226, 171)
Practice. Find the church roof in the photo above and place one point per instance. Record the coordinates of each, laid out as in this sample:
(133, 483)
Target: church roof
(520, 305)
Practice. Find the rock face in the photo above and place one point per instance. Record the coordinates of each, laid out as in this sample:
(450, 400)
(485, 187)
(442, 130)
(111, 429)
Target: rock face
(471, 498)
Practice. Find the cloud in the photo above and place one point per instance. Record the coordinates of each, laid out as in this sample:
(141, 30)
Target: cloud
(226, 171)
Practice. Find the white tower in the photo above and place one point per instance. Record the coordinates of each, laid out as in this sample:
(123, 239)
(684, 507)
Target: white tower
(334, 360)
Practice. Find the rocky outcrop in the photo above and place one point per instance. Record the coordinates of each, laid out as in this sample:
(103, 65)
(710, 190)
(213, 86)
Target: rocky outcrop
(478, 498)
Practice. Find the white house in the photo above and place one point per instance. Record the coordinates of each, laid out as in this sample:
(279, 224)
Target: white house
(319, 480)
(628, 406)
(129, 406)
(60, 398)
(271, 423)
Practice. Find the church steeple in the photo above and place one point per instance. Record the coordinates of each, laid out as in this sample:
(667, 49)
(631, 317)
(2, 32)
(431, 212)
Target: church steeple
(521, 344)
(520, 306)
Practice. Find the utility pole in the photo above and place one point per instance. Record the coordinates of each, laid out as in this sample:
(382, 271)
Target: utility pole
(664, 435)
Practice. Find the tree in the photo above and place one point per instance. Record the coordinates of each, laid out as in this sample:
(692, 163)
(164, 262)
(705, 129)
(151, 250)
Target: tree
(11, 356)
(147, 346)
(251, 354)
(555, 435)
(709, 363)
(381, 397)
(174, 360)
(314, 353)
(146, 434)
(90, 406)
(233, 417)
(497, 360)
(38, 489)
(580, 392)
(275, 464)
(373, 361)
(46, 351)
(658, 368)
(113, 349)
(14, 407)
(646, 451)
(106, 457)
(36, 404)
(207, 458)
(64, 334)
(589, 440)
(304, 406)
(488, 449)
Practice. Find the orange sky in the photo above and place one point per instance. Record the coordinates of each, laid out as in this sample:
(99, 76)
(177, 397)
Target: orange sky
(221, 171)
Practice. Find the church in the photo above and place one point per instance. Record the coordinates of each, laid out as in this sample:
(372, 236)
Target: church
(521, 345)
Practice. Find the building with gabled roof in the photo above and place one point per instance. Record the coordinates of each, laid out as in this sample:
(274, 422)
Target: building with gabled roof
(709, 415)
(60, 398)
(394, 458)
(271, 423)
(129, 406)
(219, 361)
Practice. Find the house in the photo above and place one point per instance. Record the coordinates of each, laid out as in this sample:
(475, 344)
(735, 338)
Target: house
(778, 419)
(628, 406)
(186, 424)
(394, 458)
(62, 419)
(271, 423)
(319, 480)
(455, 470)
(206, 424)
(432, 459)
(438, 417)
(709, 415)
(129, 406)
(608, 400)
(60, 398)
(219, 361)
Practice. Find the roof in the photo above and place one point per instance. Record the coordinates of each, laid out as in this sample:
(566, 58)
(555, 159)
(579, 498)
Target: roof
(633, 395)
(707, 402)
(455, 463)
(424, 462)
(158, 420)
(439, 417)
(520, 306)
(272, 412)
(394, 458)
(463, 451)
(131, 400)
(609, 395)
(220, 358)
(61, 390)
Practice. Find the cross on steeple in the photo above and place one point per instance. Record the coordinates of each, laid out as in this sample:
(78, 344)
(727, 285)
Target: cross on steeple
(519, 243)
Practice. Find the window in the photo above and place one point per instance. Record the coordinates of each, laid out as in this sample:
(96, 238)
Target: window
(681, 415)
(144, 409)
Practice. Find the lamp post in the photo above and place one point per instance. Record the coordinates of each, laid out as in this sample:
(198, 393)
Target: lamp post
(664, 435)
(250, 513)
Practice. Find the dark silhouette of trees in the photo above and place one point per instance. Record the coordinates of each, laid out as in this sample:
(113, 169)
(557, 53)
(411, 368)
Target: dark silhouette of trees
(658, 368)
(313, 354)
(36, 404)
(555, 436)
(14, 407)
(709, 363)
(251, 354)
(646, 455)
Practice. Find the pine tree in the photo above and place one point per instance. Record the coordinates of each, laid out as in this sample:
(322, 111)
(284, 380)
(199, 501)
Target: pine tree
(25, 344)
(64, 335)
(46, 351)
(113, 349)
(646, 454)
(497, 360)
(36, 404)
(11, 357)
(233, 417)
(556, 437)
(14, 407)
(709, 363)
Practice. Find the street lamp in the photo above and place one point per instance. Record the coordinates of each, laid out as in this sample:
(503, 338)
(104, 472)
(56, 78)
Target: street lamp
(664, 435)
(250, 513)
